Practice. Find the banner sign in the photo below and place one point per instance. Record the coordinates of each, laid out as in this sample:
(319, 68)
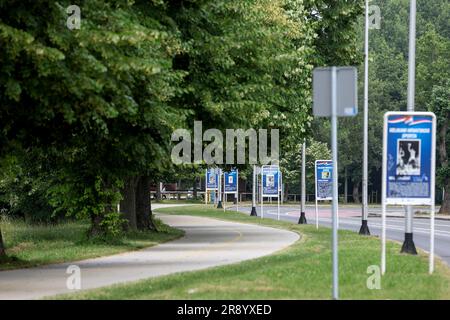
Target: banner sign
(270, 181)
(324, 179)
(409, 145)
(212, 179)
(231, 180)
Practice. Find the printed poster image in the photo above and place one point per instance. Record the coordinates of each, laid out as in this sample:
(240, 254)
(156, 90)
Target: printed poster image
(326, 175)
(212, 179)
(270, 181)
(408, 158)
(230, 179)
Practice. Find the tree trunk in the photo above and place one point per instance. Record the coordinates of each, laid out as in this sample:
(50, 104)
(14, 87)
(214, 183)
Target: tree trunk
(158, 191)
(194, 188)
(128, 203)
(443, 157)
(356, 192)
(286, 192)
(2, 246)
(143, 205)
(346, 187)
(96, 226)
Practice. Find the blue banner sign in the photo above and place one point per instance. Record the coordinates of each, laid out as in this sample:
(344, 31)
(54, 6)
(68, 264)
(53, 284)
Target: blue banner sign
(230, 181)
(409, 148)
(212, 178)
(270, 181)
(324, 179)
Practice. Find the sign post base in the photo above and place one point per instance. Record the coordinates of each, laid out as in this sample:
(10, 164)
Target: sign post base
(302, 219)
(253, 212)
(408, 244)
(364, 230)
(219, 205)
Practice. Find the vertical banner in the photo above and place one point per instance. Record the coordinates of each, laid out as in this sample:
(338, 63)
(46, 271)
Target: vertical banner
(270, 185)
(270, 181)
(409, 158)
(324, 179)
(211, 183)
(231, 180)
(212, 179)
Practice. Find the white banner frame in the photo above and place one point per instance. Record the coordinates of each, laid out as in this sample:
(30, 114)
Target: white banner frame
(408, 201)
(270, 195)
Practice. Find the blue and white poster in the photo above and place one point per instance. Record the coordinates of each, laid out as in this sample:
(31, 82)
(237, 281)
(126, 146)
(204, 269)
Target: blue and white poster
(324, 179)
(409, 157)
(270, 181)
(212, 179)
(230, 181)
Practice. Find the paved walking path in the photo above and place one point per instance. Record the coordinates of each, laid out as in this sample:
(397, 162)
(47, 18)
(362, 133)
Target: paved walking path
(207, 243)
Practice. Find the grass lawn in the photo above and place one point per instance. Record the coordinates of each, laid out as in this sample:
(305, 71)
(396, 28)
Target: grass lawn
(302, 271)
(33, 245)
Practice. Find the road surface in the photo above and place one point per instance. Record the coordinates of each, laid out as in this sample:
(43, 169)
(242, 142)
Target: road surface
(207, 243)
(350, 219)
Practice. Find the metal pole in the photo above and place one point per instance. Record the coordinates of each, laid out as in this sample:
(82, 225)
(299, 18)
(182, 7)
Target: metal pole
(315, 196)
(279, 194)
(253, 212)
(237, 190)
(219, 190)
(383, 200)
(364, 230)
(408, 244)
(433, 190)
(334, 148)
(302, 219)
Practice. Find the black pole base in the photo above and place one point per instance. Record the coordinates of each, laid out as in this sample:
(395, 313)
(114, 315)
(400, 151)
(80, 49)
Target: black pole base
(235, 201)
(408, 244)
(364, 230)
(302, 219)
(253, 212)
(219, 205)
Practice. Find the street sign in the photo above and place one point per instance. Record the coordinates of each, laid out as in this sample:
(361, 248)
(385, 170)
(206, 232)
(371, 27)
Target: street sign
(324, 179)
(346, 89)
(409, 161)
(231, 180)
(409, 156)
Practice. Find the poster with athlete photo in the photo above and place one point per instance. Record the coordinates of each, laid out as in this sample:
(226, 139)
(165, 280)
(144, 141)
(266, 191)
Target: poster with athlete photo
(270, 181)
(409, 145)
(408, 157)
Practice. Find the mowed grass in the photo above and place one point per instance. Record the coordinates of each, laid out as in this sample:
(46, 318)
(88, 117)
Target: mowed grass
(32, 245)
(302, 271)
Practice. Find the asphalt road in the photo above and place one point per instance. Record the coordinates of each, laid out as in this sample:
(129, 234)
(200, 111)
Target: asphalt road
(350, 219)
(207, 243)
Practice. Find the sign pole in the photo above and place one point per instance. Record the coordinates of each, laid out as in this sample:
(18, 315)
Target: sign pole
(334, 148)
(433, 197)
(206, 187)
(364, 230)
(237, 190)
(279, 194)
(262, 198)
(383, 201)
(408, 244)
(315, 184)
(302, 219)
(253, 212)
(219, 190)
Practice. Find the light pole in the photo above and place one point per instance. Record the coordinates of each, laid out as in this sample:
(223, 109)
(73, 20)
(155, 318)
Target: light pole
(364, 230)
(219, 204)
(408, 244)
(302, 219)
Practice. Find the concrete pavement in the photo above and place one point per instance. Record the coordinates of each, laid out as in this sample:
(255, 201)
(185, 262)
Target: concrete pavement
(207, 243)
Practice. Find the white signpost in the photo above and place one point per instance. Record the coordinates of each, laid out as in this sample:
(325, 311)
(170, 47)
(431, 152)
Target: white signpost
(335, 95)
(231, 185)
(270, 186)
(409, 153)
